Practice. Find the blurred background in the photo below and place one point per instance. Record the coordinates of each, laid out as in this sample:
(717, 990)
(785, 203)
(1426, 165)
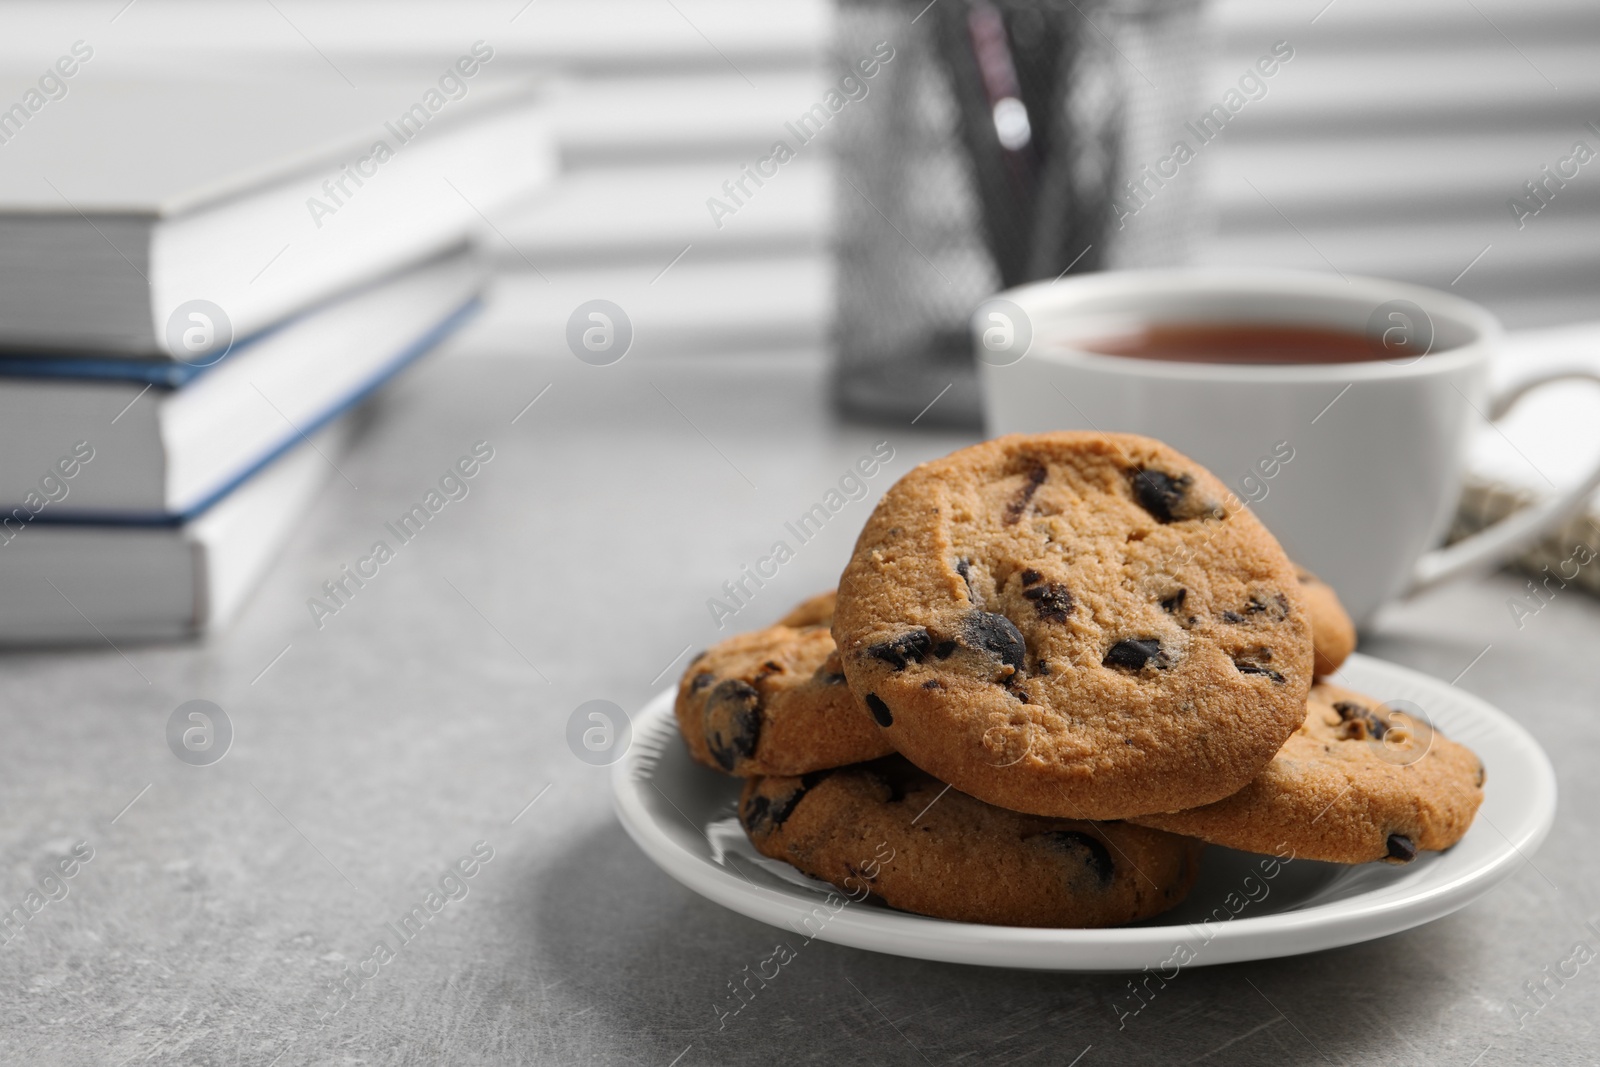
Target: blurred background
(1389, 145)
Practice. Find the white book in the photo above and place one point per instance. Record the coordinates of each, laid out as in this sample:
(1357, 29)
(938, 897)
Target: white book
(69, 583)
(163, 454)
(129, 207)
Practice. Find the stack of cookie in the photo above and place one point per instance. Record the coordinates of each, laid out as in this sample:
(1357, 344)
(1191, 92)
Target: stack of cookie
(1056, 666)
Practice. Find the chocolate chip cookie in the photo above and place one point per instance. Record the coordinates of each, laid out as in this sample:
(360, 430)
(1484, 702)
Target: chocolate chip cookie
(812, 611)
(888, 830)
(1333, 635)
(774, 702)
(1357, 782)
(1078, 625)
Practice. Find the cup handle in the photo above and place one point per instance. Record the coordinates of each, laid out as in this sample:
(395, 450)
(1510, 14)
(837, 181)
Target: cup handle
(1509, 536)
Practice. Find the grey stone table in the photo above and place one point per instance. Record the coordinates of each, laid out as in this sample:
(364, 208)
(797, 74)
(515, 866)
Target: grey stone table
(426, 719)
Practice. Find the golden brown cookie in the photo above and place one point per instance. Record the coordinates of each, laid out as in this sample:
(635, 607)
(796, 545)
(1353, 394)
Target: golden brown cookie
(813, 611)
(1333, 635)
(1357, 782)
(1077, 625)
(774, 702)
(887, 829)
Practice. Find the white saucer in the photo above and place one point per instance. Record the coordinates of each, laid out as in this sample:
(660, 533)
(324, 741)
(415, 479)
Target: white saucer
(682, 816)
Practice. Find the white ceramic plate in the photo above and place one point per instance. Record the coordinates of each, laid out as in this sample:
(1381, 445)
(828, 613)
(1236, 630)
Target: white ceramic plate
(682, 816)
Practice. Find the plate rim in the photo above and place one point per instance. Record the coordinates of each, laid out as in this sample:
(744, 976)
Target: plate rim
(1351, 920)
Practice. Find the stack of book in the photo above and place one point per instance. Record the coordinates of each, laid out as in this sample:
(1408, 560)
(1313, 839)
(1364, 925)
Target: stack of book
(197, 282)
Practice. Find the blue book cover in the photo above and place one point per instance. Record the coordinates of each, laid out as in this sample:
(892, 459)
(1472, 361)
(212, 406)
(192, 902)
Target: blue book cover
(172, 376)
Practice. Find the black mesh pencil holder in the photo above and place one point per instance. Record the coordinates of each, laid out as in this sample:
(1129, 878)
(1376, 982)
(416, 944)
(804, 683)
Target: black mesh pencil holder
(987, 143)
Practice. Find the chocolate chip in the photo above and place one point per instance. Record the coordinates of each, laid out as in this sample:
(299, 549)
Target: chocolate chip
(933, 683)
(1088, 850)
(907, 648)
(1253, 662)
(880, 711)
(1030, 576)
(772, 667)
(1258, 606)
(1256, 668)
(763, 814)
(733, 722)
(1174, 602)
(1401, 848)
(1159, 493)
(757, 815)
(996, 635)
(1360, 722)
(1036, 476)
(1134, 653)
(1232, 616)
(964, 568)
(1479, 781)
(944, 649)
(1052, 601)
(701, 680)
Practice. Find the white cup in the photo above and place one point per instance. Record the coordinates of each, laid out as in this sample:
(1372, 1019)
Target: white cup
(1356, 467)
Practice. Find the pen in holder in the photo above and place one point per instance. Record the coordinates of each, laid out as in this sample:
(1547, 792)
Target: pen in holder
(989, 147)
